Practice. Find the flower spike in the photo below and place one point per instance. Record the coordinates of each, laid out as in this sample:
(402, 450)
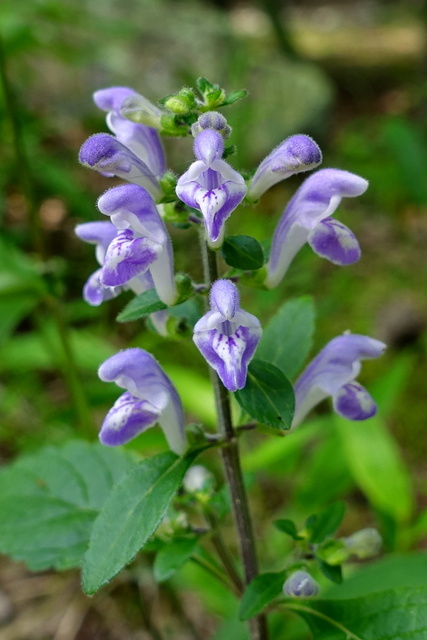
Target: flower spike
(333, 372)
(211, 185)
(307, 219)
(227, 336)
(150, 397)
(294, 155)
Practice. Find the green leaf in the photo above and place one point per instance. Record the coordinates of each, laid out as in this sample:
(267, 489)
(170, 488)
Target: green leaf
(333, 552)
(389, 615)
(50, 500)
(325, 523)
(268, 396)
(233, 96)
(243, 252)
(204, 85)
(289, 527)
(130, 516)
(141, 306)
(332, 572)
(376, 465)
(173, 556)
(392, 572)
(260, 592)
(287, 338)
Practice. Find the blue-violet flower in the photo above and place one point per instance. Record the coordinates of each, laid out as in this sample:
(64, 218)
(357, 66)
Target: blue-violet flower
(333, 372)
(300, 584)
(227, 336)
(211, 185)
(294, 155)
(135, 152)
(142, 243)
(150, 397)
(307, 219)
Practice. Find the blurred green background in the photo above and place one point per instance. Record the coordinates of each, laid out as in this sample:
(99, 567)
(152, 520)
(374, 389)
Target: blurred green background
(350, 73)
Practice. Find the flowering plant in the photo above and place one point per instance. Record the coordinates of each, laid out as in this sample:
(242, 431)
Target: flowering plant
(254, 369)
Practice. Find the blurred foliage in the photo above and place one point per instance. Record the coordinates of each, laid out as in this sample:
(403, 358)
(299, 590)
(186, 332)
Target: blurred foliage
(369, 114)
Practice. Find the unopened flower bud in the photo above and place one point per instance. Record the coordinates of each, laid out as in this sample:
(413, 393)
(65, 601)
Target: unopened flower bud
(181, 103)
(300, 585)
(364, 544)
(211, 120)
(198, 478)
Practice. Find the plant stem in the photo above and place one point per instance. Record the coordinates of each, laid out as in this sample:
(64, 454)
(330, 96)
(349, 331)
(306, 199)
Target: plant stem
(222, 551)
(70, 369)
(231, 461)
(207, 566)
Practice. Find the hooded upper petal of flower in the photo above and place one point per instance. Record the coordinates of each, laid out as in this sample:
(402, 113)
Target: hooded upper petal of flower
(307, 218)
(150, 397)
(142, 140)
(227, 336)
(294, 155)
(143, 244)
(211, 185)
(333, 373)
(104, 153)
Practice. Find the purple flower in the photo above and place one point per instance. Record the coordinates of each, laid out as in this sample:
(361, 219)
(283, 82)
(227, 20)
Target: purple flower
(135, 152)
(211, 185)
(294, 155)
(300, 584)
(150, 397)
(307, 219)
(227, 336)
(142, 140)
(95, 291)
(142, 243)
(333, 372)
(101, 234)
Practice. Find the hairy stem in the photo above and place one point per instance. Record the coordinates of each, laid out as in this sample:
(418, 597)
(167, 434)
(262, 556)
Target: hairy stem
(233, 470)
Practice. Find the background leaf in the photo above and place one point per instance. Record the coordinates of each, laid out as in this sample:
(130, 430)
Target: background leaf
(50, 500)
(172, 556)
(130, 516)
(268, 396)
(394, 571)
(287, 338)
(388, 615)
(323, 524)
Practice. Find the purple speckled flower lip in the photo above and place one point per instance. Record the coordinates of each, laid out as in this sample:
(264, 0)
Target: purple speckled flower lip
(150, 398)
(227, 336)
(211, 185)
(307, 219)
(294, 155)
(333, 373)
(142, 243)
